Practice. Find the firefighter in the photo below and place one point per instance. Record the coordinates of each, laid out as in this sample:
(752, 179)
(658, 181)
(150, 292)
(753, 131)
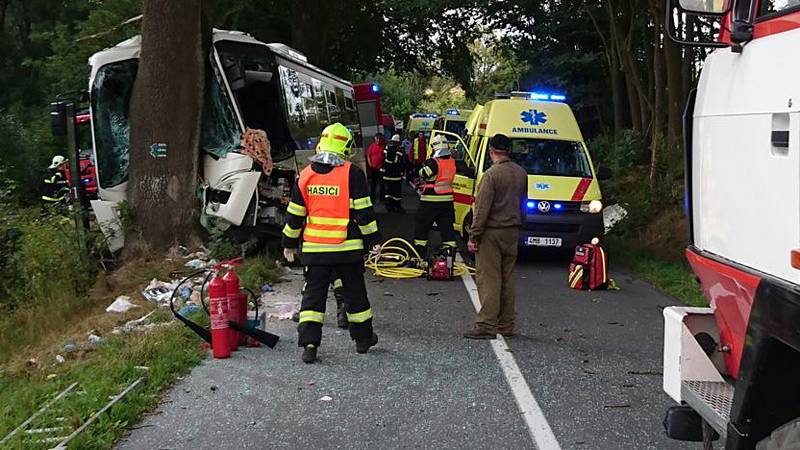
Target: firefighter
(436, 199)
(54, 185)
(331, 213)
(393, 175)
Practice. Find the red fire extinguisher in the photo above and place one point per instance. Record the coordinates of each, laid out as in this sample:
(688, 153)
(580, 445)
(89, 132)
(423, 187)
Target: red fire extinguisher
(236, 304)
(218, 305)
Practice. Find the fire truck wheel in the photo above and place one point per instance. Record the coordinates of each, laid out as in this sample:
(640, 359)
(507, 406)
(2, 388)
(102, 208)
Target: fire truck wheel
(786, 437)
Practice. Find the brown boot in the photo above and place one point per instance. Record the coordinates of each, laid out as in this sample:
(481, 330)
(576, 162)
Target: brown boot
(479, 333)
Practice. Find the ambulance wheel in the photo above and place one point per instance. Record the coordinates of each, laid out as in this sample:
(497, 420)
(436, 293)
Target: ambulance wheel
(785, 437)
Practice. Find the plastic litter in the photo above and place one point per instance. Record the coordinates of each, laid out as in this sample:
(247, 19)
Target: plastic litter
(121, 304)
(158, 291)
(325, 398)
(185, 292)
(267, 288)
(69, 348)
(60, 359)
(197, 264)
(188, 309)
(95, 340)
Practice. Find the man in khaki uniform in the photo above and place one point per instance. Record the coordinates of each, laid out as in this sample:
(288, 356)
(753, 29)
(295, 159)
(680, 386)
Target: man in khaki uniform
(494, 238)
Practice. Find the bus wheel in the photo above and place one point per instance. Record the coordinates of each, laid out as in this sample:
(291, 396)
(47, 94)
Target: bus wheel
(785, 437)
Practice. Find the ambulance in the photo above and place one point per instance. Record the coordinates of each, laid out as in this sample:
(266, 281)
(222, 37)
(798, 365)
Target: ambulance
(453, 120)
(564, 204)
(422, 122)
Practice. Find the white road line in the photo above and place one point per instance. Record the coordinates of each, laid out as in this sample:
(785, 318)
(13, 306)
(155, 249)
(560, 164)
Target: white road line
(538, 427)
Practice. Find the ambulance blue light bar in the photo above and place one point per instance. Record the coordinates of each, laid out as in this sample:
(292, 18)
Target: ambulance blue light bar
(541, 96)
(428, 116)
(375, 88)
(452, 112)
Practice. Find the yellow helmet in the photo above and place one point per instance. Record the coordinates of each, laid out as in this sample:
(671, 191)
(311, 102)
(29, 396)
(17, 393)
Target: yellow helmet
(336, 139)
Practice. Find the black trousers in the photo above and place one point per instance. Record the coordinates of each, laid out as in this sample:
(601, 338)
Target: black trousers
(394, 194)
(443, 214)
(315, 295)
(375, 185)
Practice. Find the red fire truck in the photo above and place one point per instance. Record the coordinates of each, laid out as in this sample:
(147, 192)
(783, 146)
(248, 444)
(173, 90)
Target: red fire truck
(370, 114)
(734, 367)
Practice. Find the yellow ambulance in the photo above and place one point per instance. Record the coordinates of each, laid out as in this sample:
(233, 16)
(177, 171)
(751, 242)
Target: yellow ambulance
(422, 122)
(564, 204)
(453, 120)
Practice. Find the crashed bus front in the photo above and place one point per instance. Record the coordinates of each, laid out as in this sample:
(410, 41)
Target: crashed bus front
(254, 85)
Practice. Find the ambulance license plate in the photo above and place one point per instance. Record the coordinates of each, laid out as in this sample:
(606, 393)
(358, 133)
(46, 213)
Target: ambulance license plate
(544, 241)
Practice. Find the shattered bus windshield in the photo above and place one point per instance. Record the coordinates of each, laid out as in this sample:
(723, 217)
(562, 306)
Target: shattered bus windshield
(111, 94)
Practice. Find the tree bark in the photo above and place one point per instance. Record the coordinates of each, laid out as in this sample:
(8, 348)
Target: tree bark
(166, 108)
(674, 63)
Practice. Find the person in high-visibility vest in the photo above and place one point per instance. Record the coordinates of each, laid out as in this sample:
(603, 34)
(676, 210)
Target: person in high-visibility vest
(418, 152)
(331, 214)
(393, 175)
(436, 198)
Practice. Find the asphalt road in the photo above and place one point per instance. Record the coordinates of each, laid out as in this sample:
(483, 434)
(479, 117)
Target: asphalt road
(591, 360)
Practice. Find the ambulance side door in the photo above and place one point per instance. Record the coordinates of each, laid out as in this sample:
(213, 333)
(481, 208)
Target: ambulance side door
(464, 182)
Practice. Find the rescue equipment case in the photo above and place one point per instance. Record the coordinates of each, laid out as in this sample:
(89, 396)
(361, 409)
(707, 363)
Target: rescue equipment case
(589, 268)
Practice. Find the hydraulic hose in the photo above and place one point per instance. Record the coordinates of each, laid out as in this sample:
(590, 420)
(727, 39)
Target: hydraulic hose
(398, 259)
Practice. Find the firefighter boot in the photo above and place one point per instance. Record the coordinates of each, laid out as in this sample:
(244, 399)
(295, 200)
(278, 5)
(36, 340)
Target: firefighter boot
(309, 354)
(362, 346)
(341, 314)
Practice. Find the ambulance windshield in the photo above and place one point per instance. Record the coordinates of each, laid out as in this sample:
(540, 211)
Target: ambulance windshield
(551, 157)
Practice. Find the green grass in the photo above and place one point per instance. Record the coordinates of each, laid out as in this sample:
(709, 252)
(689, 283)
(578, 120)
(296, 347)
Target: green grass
(672, 277)
(168, 351)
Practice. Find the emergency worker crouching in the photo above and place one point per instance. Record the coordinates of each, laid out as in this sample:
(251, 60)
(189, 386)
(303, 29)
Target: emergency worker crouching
(436, 198)
(331, 214)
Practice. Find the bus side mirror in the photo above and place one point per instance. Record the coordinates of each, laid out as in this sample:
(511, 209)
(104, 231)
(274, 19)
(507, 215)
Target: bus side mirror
(603, 173)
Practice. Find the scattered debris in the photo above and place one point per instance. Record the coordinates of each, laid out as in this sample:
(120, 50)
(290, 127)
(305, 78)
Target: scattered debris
(266, 287)
(612, 215)
(197, 264)
(158, 292)
(388, 294)
(132, 325)
(188, 309)
(121, 304)
(70, 347)
(60, 359)
(433, 294)
(325, 398)
(142, 368)
(94, 340)
(51, 376)
(617, 405)
(213, 388)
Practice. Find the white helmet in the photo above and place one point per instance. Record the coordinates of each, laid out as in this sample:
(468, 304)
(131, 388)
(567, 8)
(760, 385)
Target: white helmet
(395, 138)
(440, 146)
(57, 161)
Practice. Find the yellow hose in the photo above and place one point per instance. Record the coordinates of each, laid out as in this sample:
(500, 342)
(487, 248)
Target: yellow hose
(399, 259)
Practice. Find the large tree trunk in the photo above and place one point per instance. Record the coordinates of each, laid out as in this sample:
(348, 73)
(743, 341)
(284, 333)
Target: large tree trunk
(166, 108)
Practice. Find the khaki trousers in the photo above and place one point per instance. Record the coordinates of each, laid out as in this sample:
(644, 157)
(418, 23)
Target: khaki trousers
(495, 260)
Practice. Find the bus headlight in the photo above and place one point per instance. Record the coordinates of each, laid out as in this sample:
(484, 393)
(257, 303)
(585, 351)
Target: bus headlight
(592, 207)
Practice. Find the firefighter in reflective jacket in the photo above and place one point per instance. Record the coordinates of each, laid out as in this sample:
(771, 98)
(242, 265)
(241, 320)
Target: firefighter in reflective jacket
(54, 185)
(331, 214)
(393, 175)
(436, 199)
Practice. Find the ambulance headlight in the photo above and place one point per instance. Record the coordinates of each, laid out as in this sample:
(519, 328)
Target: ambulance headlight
(592, 207)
